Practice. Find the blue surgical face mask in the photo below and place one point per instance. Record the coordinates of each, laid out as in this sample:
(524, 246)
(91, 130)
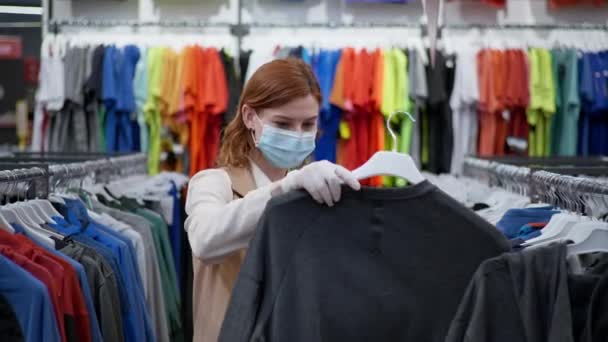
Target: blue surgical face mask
(283, 148)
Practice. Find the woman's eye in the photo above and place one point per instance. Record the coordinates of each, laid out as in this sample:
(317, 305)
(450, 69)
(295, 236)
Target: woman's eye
(309, 126)
(281, 124)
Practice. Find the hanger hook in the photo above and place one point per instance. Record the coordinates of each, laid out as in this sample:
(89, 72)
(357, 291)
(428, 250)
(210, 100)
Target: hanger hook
(390, 130)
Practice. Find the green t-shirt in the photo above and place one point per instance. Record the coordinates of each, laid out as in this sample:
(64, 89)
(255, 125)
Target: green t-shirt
(542, 102)
(152, 109)
(564, 126)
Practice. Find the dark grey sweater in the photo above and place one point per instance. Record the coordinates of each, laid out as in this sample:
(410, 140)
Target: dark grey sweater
(531, 296)
(382, 265)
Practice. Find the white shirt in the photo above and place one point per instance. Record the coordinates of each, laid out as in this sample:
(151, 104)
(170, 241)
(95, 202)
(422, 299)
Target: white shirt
(217, 224)
(464, 113)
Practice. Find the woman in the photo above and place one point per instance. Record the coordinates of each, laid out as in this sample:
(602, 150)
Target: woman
(273, 131)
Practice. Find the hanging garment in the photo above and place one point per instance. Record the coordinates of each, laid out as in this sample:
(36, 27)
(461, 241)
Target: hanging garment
(564, 126)
(593, 125)
(464, 109)
(31, 302)
(418, 95)
(438, 114)
(315, 274)
(9, 326)
(517, 97)
(140, 83)
(531, 296)
(330, 115)
(119, 99)
(542, 103)
(234, 86)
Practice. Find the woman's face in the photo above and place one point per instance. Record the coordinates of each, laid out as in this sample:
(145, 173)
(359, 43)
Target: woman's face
(299, 115)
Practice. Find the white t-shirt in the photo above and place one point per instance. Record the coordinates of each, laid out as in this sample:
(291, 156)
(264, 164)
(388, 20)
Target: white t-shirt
(258, 58)
(464, 108)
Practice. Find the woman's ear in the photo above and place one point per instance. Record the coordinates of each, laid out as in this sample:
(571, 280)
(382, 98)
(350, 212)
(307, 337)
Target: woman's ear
(248, 116)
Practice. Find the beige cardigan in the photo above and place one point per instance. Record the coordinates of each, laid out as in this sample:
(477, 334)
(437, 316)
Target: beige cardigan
(220, 226)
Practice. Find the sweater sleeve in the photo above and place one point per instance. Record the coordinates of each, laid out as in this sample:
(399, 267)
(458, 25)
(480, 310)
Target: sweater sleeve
(217, 225)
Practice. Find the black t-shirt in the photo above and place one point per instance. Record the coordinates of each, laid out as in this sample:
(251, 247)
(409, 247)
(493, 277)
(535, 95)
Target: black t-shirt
(440, 82)
(234, 87)
(10, 330)
(94, 85)
(381, 265)
(244, 65)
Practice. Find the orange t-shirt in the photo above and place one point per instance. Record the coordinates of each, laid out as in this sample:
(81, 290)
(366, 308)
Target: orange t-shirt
(486, 124)
(377, 120)
(198, 119)
(499, 78)
(349, 146)
(216, 100)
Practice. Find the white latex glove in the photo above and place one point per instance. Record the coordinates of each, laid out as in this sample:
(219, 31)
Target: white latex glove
(322, 179)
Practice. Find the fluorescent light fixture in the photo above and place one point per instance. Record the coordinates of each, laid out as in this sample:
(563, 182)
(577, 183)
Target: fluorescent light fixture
(21, 10)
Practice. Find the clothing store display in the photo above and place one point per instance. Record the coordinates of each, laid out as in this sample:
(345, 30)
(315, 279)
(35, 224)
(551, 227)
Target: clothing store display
(98, 277)
(289, 281)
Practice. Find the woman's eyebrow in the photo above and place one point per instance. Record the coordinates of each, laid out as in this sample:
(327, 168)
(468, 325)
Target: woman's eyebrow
(312, 117)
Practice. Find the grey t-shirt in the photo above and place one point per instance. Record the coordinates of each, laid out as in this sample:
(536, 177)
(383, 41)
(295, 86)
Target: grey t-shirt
(381, 265)
(104, 289)
(418, 94)
(153, 283)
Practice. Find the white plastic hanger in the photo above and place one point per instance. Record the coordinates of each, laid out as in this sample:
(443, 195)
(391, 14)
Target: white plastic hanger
(558, 228)
(393, 163)
(5, 225)
(45, 209)
(589, 237)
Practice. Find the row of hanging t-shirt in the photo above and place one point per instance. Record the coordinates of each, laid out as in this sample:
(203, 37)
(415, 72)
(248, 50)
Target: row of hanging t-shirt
(97, 268)
(121, 99)
(555, 281)
(491, 102)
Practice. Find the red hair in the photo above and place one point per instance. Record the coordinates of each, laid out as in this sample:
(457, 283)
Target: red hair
(274, 84)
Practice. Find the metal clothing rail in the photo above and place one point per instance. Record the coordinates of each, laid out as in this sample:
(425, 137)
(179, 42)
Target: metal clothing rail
(550, 180)
(55, 168)
(55, 25)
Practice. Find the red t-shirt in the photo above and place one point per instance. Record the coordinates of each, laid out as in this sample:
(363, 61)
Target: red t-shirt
(62, 273)
(73, 297)
(44, 276)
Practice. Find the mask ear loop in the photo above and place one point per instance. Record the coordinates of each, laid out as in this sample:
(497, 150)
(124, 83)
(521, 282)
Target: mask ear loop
(252, 131)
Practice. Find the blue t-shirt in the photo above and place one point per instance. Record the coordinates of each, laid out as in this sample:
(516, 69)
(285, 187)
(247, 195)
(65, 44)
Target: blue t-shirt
(136, 320)
(325, 65)
(511, 223)
(175, 232)
(30, 300)
(593, 124)
(119, 98)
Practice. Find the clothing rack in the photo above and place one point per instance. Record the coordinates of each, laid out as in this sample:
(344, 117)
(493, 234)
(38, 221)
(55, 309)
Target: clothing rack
(549, 180)
(55, 168)
(56, 25)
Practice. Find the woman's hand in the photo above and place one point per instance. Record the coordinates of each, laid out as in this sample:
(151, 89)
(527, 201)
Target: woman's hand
(322, 179)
